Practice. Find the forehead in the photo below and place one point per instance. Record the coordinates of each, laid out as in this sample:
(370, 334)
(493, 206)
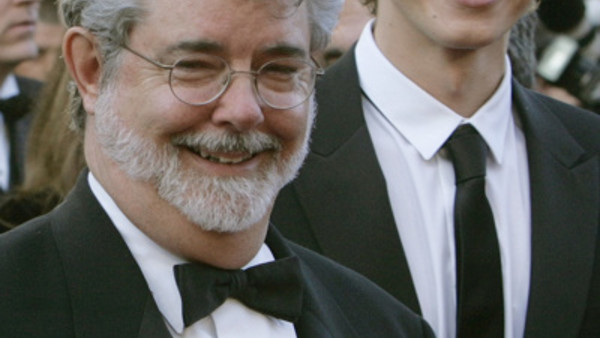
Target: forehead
(4, 4)
(236, 25)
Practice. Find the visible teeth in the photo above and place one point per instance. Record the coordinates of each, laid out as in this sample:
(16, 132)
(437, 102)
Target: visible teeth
(212, 158)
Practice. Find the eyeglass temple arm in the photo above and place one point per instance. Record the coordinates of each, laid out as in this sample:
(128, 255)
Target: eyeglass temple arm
(156, 63)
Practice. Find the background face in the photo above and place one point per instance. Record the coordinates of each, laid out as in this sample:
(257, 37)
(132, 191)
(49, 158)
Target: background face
(48, 37)
(17, 27)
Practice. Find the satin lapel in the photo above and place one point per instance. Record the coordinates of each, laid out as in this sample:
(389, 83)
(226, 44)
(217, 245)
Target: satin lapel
(321, 317)
(108, 292)
(565, 207)
(19, 129)
(153, 325)
(357, 226)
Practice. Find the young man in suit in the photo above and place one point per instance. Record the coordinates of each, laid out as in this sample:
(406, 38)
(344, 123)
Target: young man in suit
(196, 113)
(17, 28)
(377, 191)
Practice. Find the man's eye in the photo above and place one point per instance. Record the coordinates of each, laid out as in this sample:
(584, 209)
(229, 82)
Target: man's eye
(199, 64)
(280, 69)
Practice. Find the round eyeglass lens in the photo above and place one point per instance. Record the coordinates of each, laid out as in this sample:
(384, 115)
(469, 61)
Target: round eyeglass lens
(200, 79)
(285, 83)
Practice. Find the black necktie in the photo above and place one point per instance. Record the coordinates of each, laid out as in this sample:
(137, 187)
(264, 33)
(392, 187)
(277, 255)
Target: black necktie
(14, 107)
(273, 288)
(480, 311)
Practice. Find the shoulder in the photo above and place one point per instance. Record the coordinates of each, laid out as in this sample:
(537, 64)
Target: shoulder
(27, 250)
(365, 304)
(37, 231)
(581, 124)
(20, 206)
(34, 291)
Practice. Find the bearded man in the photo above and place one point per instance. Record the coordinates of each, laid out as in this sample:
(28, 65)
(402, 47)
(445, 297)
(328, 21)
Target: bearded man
(194, 114)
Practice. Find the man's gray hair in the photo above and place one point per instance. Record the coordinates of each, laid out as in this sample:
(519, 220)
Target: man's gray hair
(111, 21)
(522, 49)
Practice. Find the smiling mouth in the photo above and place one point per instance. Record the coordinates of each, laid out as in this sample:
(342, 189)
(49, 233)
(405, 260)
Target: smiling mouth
(227, 149)
(220, 156)
(229, 159)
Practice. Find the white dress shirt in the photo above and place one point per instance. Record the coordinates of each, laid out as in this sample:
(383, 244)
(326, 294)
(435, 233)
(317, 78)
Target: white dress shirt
(408, 127)
(8, 89)
(231, 320)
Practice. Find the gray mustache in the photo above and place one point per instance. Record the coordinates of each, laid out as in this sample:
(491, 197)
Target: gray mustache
(252, 142)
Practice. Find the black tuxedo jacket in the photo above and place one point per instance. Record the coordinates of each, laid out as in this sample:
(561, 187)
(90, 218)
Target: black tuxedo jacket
(18, 127)
(70, 274)
(339, 204)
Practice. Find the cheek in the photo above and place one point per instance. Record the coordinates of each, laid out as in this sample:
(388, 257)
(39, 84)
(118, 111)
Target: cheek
(155, 111)
(290, 126)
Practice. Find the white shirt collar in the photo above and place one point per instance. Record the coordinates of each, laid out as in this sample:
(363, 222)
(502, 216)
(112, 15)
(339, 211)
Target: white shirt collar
(423, 120)
(155, 262)
(9, 88)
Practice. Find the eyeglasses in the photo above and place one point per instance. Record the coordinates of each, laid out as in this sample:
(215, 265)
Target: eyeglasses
(201, 79)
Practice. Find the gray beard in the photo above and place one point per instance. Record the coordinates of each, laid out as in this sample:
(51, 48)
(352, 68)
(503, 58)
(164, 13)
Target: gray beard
(222, 204)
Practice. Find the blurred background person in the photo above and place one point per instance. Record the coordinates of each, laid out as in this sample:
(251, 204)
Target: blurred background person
(54, 156)
(48, 37)
(17, 28)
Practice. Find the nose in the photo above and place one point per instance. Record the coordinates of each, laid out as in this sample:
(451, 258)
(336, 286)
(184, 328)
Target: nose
(239, 106)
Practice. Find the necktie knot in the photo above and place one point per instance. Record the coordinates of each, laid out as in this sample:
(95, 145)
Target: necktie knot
(273, 288)
(468, 152)
(238, 282)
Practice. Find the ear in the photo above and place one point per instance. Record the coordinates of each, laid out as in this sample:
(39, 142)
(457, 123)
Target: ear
(82, 59)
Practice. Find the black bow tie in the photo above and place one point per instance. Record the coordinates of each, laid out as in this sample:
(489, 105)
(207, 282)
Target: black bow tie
(273, 288)
(15, 107)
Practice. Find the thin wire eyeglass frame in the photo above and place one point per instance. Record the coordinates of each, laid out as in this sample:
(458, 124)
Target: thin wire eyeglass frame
(316, 69)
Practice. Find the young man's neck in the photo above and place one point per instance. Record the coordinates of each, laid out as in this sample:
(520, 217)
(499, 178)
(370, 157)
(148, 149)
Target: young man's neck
(463, 80)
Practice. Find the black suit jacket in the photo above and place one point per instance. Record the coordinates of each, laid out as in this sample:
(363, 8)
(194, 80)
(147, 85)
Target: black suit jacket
(18, 128)
(70, 274)
(339, 204)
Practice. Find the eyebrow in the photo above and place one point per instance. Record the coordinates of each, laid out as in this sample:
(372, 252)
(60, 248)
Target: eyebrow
(284, 50)
(207, 46)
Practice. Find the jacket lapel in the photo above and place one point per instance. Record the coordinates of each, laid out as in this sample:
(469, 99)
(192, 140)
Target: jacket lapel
(565, 207)
(108, 291)
(18, 129)
(153, 324)
(321, 316)
(343, 159)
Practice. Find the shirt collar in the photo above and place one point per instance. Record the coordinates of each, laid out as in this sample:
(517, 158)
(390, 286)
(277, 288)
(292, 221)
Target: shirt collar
(423, 120)
(9, 88)
(155, 262)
